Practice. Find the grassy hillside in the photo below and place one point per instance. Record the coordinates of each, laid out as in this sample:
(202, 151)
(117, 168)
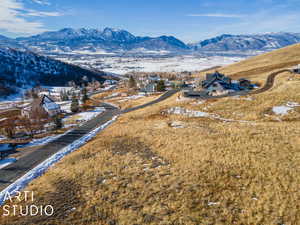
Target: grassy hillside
(238, 167)
(259, 67)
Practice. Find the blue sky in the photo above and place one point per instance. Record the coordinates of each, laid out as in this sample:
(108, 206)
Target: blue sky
(188, 20)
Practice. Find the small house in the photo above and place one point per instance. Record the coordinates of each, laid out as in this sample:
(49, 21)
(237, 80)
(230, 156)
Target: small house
(149, 88)
(245, 84)
(109, 82)
(154, 78)
(296, 69)
(44, 105)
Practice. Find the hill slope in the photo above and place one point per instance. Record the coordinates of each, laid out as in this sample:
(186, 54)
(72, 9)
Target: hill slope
(21, 69)
(266, 63)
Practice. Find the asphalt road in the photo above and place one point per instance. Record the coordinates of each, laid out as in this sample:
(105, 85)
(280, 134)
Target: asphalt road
(270, 82)
(16, 170)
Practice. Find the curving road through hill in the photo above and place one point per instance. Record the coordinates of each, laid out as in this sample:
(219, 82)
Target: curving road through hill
(12, 172)
(270, 82)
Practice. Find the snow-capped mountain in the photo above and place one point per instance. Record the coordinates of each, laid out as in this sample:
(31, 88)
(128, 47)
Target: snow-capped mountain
(94, 40)
(262, 42)
(9, 42)
(23, 69)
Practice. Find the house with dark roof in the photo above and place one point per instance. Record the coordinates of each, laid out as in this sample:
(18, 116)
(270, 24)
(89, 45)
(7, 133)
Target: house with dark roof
(42, 105)
(219, 84)
(216, 82)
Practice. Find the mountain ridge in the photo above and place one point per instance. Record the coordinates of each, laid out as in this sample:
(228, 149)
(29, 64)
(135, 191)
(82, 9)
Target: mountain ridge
(108, 39)
(267, 42)
(121, 41)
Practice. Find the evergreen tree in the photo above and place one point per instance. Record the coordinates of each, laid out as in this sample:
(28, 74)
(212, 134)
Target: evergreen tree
(58, 122)
(74, 104)
(160, 86)
(84, 95)
(132, 82)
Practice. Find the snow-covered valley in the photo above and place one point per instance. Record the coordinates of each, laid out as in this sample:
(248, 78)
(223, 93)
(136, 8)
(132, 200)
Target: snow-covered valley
(158, 63)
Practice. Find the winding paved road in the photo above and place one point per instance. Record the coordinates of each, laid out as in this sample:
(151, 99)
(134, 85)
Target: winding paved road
(270, 82)
(16, 170)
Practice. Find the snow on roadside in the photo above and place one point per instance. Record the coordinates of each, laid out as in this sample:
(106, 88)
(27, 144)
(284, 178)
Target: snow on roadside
(6, 162)
(2, 137)
(41, 141)
(44, 166)
(284, 109)
(192, 113)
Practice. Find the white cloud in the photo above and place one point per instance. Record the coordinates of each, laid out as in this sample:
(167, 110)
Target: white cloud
(14, 18)
(42, 14)
(41, 2)
(217, 15)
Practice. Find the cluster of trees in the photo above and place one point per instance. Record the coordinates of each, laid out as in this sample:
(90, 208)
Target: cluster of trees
(75, 100)
(160, 86)
(30, 126)
(132, 82)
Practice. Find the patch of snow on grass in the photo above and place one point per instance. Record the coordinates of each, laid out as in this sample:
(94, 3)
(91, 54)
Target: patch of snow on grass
(187, 112)
(42, 167)
(281, 110)
(284, 109)
(84, 116)
(192, 113)
(177, 124)
(132, 97)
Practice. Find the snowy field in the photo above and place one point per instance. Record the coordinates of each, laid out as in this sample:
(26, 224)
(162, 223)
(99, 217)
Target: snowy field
(123, 65)
(82, 117)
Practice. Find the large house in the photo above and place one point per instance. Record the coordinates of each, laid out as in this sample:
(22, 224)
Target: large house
(42, 105)
(216, 83)
(219, 84)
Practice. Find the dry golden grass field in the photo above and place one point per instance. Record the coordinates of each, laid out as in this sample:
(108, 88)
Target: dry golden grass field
(143, 170)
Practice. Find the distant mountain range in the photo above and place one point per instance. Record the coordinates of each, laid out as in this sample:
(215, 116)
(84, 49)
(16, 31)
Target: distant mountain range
(109, 40)
(101, 41)
(25, 69)
(262, 42)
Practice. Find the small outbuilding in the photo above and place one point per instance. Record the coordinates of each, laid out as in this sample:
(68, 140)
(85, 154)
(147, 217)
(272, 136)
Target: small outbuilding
(296, 69)
(42, 105)
(245, 84)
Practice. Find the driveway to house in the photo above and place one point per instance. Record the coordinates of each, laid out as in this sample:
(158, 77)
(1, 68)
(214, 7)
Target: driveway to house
(12, 172)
